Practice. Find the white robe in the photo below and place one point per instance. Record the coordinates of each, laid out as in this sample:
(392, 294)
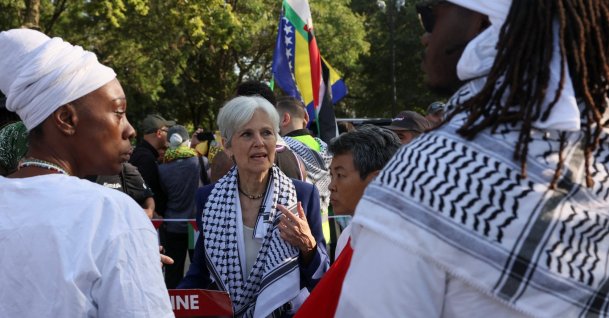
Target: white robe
(342, 241)
(419, 250)
(418, 288)
(72, 248)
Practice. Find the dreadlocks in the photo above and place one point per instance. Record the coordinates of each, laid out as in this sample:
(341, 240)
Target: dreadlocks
(522, 71)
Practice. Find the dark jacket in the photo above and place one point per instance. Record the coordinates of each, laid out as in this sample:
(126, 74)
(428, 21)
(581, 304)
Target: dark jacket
(198, 275)
(145, 159)
(180, 181)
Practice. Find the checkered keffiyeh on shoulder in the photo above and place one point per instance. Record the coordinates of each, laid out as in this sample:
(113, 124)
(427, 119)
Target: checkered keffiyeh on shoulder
(469, 210)
(274, 278)
(317, 165)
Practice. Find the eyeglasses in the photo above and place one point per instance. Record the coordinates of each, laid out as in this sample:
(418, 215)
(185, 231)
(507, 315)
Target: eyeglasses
(426, 16)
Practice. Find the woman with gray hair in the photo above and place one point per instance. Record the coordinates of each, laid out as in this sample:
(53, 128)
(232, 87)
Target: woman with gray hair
(261, 238)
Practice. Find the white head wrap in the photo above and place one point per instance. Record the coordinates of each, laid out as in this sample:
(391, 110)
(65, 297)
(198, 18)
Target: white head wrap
(176, 141)
(39, 74)
(479, 56)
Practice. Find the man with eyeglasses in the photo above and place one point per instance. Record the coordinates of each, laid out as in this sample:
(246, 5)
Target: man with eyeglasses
(145, 155)
(503, 210)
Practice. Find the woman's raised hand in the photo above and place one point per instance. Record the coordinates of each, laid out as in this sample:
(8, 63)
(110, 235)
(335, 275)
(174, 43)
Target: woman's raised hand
(295, 230)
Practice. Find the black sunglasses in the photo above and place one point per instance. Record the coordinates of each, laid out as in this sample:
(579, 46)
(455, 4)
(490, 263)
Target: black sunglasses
(426, 16)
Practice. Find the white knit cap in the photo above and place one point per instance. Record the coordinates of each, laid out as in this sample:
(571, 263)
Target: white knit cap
(39, 74)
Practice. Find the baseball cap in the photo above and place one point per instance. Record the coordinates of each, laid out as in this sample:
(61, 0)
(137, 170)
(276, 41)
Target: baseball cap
(435, 107)
(409, 120)
(154, 122)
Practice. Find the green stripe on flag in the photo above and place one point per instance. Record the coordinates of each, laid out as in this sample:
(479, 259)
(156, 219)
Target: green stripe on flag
(295, 19)
(192, 237)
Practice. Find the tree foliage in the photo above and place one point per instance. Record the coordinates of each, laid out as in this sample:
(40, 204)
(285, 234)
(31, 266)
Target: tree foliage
(184, 58)
(372, 94)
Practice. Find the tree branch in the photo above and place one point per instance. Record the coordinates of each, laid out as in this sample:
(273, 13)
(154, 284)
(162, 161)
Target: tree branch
(59, 9)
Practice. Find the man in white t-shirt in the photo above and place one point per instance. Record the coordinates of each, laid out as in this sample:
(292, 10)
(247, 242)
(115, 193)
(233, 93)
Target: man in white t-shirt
(69, 247)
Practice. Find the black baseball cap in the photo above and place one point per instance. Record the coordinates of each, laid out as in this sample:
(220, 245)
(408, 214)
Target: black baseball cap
(409, 120)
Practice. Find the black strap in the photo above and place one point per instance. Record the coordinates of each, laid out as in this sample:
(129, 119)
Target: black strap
(203, 173)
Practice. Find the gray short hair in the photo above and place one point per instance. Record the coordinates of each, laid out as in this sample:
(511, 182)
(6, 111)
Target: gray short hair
(239, 110)
(370, 146)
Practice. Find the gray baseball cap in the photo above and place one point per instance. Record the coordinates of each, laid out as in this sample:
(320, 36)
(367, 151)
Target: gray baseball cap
(155, 122)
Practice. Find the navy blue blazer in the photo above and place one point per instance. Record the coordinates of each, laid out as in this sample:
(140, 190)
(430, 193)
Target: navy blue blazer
(198, 275)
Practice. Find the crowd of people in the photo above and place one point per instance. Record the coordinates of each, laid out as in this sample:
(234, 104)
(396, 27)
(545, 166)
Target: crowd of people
(493, 203)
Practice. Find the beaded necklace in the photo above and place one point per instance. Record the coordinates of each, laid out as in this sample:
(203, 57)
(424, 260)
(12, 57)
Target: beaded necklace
(33, 162)
(250, 196)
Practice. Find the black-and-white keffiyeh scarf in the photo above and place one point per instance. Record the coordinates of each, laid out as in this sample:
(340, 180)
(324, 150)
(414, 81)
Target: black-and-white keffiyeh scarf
(275, 276)
(470, 211)
(317, 164)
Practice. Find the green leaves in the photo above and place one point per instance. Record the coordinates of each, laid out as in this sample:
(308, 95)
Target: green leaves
(184, 58)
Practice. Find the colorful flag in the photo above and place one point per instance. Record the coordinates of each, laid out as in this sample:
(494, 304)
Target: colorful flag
(193, 234)
(301, 72)
(193, 229)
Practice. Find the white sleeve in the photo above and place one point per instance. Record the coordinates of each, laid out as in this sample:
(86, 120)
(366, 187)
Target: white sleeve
(386, 280)
(131, 283)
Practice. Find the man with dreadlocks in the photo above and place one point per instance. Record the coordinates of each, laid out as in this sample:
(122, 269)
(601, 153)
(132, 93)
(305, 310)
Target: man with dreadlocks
(504, 210)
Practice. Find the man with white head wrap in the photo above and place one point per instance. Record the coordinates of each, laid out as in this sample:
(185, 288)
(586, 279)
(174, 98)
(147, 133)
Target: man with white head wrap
(69, 247)
(504, 210)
